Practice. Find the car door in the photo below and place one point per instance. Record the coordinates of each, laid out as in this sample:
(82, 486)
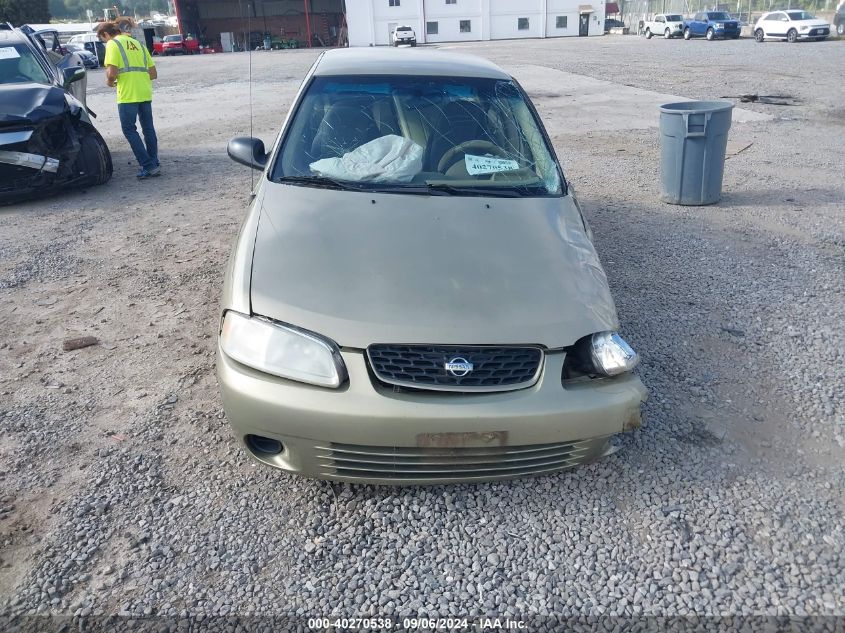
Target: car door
(766, 24)
(779, 24)
(62, 60)
(697, 26)
(659, 25)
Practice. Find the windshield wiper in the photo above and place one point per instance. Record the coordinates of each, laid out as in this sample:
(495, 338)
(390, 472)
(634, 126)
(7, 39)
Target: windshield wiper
(324, 182)
(491, 192)
(320, 182)
(431, 189)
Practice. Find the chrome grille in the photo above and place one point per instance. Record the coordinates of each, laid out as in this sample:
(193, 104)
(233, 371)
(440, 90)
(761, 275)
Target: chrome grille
(424, 367)
(430, 464)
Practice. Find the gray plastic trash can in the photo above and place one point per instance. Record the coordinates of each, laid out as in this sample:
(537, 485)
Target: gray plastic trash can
(693, 138)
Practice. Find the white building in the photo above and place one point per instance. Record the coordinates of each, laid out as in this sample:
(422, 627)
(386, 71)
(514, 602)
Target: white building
(371, 22)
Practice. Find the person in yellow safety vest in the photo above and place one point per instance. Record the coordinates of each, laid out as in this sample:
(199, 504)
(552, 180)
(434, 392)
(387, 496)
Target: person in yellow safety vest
(130, 67)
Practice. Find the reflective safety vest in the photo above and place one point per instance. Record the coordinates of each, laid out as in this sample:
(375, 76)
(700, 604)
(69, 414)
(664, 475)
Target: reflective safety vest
(133, 62)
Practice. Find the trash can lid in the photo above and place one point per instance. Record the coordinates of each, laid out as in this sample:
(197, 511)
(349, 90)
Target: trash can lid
(693, 107)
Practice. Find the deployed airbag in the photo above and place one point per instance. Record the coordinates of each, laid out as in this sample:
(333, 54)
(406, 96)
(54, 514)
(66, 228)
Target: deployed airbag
(389, 158)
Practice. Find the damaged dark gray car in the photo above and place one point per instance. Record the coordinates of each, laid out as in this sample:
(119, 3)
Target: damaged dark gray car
(47, 140)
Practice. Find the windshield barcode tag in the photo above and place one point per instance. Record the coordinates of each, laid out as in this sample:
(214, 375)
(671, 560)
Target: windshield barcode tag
(8, 52)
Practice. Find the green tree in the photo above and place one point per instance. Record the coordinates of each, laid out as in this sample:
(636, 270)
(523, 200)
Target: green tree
(23, 11)
(59, 9)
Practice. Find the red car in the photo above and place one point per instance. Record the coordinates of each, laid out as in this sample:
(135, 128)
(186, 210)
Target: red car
(173, 44)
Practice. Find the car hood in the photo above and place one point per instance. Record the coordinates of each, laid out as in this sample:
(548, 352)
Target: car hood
(812, 23)
(31, 102)
(365, 268)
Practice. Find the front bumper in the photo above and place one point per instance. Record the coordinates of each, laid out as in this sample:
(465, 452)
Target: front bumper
(365, 432)
(29, 160)
(814, 34)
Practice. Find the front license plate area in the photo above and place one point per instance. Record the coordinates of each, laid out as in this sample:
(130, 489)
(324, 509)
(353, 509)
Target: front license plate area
(463, 439)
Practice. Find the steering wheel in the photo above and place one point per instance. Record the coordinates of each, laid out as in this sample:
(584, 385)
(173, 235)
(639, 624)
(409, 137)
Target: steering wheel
(451, 156)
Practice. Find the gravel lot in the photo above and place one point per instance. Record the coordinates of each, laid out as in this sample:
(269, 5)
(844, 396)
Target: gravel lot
(123, 492)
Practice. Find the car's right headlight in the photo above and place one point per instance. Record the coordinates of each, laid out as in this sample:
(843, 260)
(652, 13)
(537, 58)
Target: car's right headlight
(282, 350)
(600, 354)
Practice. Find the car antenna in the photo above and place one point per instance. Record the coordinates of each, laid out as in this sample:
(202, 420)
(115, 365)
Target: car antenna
(249, 81)
(248, 45)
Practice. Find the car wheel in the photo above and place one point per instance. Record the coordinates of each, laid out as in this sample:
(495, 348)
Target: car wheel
(94, 160)
(792, 36)
(687, 34)
(840, 28)
(667, 34)
(759, 36)
(648, 34)
(710, 35)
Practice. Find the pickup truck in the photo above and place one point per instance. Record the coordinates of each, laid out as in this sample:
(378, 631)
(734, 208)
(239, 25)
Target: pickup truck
(710, 25)
(665, 24)
(403, 35)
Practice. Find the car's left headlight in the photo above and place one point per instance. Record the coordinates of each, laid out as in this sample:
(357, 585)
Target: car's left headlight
(602, 353)
(282, 350)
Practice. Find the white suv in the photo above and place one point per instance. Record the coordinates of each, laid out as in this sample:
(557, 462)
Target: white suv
(668, 25)
(790, 25)
(404, 35)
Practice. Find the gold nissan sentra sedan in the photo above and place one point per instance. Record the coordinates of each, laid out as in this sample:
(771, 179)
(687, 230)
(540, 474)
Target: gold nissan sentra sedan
(414, 296)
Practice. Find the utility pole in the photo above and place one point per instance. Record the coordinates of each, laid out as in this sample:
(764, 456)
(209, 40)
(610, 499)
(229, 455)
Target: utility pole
(307, 23)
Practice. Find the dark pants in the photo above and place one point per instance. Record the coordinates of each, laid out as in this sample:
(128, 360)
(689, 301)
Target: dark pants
(147, 156)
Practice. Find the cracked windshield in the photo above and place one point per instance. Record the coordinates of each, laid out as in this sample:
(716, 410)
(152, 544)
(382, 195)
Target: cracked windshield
(18, 65)
(410, 134)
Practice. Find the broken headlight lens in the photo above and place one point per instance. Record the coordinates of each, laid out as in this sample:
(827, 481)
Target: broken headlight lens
(603, 354)
(282, 350)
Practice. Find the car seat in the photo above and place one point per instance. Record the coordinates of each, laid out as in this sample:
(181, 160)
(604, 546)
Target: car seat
(347, 124)
(459, 121)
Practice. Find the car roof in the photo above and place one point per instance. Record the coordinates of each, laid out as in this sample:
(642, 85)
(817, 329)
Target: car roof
(413, 61)
(9, 36)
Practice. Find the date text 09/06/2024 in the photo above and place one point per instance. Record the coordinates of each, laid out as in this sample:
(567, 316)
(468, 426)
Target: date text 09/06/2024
(414, 624)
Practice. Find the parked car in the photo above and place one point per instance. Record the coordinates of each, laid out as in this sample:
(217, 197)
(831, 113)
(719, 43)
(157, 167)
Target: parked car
(790, 26)
(178, 45)
(711, 25)
(47, 139)
(404, 306)
(839, 20)
(612, 23)
(89, 59)
(91, 43)
(664, 24)
(404, 35)
(83, 38)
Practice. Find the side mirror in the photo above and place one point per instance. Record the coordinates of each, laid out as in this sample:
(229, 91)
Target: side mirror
(73, 74)
(248, 151)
